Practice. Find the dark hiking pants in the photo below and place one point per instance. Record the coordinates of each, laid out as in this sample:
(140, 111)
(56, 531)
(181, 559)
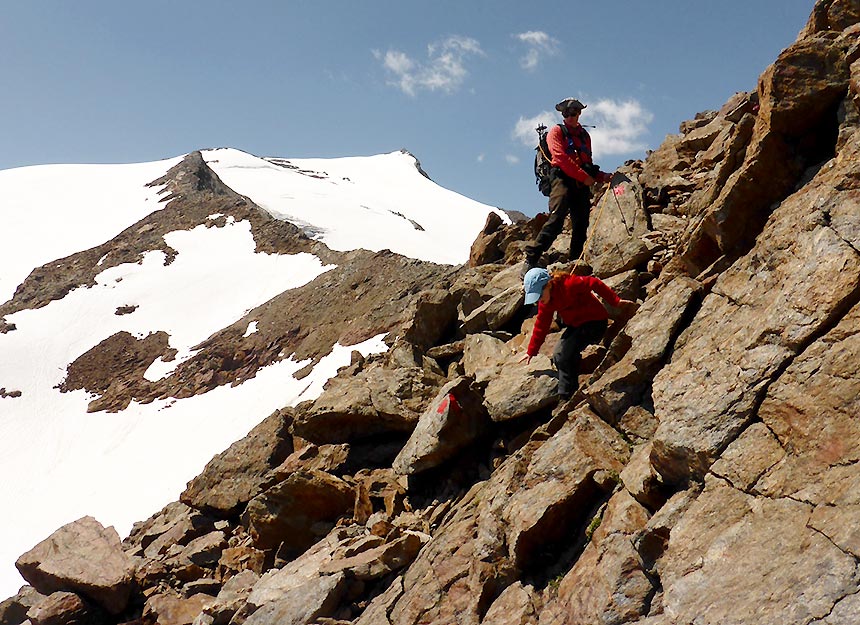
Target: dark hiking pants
(568, 352)
(566, 197)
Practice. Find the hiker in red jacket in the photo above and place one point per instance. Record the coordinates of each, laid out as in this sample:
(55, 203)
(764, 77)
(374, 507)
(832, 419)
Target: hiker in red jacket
(573, 175)
(583, 316)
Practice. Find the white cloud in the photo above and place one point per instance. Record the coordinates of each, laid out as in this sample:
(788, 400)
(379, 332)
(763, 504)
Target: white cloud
(619, 126)
(481, 157)
(539, 44)
(512, 159)
(444, 70)
(524, 129)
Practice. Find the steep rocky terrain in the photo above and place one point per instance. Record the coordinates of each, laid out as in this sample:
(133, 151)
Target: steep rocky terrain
(706, 472)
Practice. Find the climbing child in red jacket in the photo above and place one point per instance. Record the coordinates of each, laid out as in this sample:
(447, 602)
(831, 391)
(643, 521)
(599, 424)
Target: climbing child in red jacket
(583, 316)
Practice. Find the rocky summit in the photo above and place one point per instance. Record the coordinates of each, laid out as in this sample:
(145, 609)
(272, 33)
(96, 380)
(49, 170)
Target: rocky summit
(707, 471)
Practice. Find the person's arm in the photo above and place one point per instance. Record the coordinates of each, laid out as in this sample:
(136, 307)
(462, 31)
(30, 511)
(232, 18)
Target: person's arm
(604, 291)
(610, 296)
(557, 143)
(540, 329)
(600, 176)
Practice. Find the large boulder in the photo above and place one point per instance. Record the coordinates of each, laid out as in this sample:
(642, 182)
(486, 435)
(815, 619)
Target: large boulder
(496, 312)
(82, 557)
(377, 400)
(434, 315)
(234, 477)
(302, 603)
(513, 389)
(65, 608)
(291, 512)
(453, 419)
(521, 389)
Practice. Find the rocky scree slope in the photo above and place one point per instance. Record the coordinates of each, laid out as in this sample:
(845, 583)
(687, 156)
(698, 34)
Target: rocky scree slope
(707, 471)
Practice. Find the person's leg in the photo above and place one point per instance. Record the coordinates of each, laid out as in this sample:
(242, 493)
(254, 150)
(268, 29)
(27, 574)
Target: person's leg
(559, 205)
(580, 207)
(567, 354)
(566, 360)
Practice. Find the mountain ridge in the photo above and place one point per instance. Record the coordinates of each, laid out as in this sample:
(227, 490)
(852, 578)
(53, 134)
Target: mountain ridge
(704, 472)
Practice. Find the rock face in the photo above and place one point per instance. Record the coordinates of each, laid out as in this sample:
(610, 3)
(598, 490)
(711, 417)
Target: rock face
(707, 470)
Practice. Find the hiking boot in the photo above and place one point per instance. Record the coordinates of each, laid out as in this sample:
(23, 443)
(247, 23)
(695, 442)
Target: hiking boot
(528, 265)
(581, 268)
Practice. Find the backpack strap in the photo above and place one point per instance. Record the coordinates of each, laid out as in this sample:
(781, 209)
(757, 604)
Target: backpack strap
(548, 157)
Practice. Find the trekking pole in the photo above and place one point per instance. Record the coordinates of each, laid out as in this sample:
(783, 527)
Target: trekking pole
(620, 212)
(596, 219)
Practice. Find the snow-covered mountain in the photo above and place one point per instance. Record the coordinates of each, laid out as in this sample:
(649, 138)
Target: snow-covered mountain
(60, 461)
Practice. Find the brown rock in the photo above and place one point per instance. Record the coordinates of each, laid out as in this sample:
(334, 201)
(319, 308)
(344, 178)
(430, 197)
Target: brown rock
(377, 400)
(496, 312)
(608, 583)
(749, 457)
(637, 352)
(176, 523)
(535, 498)
(641, 480)
(237, 475)
(452, 420)
(83, 557)
(13, 610)
(232, 596)
(522, 390)
(770, 303)
(65, 608)
(434, 316)
(378, 561)
(812, 411)
(302, 603)
(287, 512)
(727, 539)
(517, 605)
(486, 248)
(328, 458)
(170, 609)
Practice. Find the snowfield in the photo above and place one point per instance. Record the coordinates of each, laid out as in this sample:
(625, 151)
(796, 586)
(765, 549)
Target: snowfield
(58, 461)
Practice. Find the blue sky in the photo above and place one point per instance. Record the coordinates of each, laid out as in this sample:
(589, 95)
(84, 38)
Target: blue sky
(458, 84)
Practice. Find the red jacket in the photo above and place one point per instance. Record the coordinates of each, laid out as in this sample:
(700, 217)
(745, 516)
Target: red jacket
(573, 298)
(569, 153)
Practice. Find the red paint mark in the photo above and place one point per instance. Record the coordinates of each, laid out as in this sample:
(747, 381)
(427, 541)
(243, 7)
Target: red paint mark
(449, 403)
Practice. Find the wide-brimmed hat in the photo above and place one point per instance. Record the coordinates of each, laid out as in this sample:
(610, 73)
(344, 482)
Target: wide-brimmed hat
(569, 103)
